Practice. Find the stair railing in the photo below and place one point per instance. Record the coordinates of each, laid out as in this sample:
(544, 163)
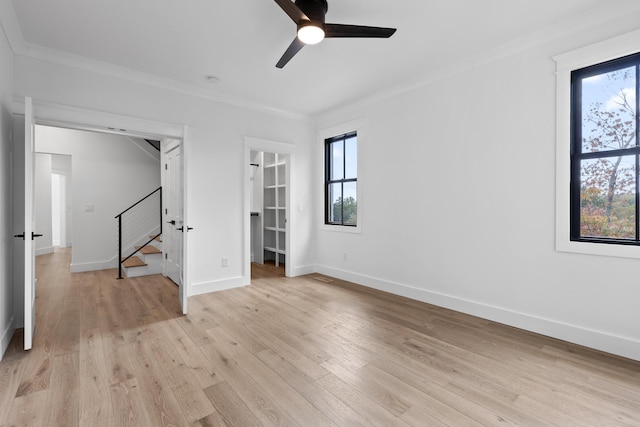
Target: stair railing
(139, 225)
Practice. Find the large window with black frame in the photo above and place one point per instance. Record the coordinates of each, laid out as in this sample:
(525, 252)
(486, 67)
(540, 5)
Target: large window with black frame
(605, 155)
(341, 180)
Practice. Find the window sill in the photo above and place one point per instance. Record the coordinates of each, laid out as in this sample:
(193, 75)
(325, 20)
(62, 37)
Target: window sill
(341, 229)
(603, 249)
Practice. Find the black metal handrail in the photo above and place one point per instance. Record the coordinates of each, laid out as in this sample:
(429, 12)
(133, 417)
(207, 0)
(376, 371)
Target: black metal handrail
(119, 218)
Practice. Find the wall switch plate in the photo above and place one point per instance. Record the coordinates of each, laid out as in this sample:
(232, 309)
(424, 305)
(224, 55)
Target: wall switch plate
(224, 262)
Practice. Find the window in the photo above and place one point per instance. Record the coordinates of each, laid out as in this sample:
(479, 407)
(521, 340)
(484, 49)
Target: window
(341, 180)
(605, 153)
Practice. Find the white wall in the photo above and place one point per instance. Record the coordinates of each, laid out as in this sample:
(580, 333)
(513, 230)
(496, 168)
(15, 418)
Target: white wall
(43, 204)
(456, 184)
(216, 160)
(6, 228)
(109, 172)
(61, 165)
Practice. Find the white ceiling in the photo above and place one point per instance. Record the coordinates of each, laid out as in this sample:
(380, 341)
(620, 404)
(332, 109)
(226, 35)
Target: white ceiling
(240, 42)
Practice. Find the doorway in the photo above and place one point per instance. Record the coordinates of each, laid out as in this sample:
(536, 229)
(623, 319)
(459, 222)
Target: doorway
(268, 213)
(75, 119)
(268, 249)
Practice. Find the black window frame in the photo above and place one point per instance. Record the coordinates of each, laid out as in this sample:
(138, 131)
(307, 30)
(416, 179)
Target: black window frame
(327, 177)
(577, 155)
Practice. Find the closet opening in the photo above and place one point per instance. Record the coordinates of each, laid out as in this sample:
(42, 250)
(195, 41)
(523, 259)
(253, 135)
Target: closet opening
(268, 210)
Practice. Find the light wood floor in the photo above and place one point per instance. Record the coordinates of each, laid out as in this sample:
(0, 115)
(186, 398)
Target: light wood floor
(295, 352)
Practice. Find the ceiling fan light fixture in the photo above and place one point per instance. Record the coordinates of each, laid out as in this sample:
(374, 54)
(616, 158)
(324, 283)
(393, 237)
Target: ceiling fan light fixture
(310, 34)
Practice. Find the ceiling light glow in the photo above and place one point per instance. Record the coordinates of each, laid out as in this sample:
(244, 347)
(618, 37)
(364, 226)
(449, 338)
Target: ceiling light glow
(310, 34)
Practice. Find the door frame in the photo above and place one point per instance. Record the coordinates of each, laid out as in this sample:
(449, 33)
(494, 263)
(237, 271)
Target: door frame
(267, 146)
(64, 116)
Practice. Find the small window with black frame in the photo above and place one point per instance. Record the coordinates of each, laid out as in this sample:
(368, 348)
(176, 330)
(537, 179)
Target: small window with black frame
(341, 180)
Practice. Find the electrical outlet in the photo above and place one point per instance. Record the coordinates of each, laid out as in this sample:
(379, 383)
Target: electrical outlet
(224, 262)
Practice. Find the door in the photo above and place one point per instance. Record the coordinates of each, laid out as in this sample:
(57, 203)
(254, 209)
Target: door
(175, 234)
(29, 227)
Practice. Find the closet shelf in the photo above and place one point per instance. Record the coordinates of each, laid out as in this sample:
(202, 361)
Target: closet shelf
(273, 165)
(274, 250)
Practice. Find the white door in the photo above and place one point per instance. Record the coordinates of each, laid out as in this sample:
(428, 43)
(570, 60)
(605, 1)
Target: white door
(174, 228)
(29, 227)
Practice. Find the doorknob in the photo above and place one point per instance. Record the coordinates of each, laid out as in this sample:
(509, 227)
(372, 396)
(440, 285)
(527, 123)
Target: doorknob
(172, 222)
(19, 235)
(35, 235)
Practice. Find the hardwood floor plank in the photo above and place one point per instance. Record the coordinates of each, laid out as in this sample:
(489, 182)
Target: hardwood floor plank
(330, 405)
(427, 403)
(63, 395)
(230, 406)
(211, 420)
(10, 373)
(36, 374)
(369, 410)
(27, 410)
(128, 406)
(182, 352)
(291, 351)
(394, 403)
(95, 398)
(303, 412)
(265, 407)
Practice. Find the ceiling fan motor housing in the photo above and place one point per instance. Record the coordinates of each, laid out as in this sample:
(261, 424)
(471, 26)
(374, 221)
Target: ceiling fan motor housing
(314, 9)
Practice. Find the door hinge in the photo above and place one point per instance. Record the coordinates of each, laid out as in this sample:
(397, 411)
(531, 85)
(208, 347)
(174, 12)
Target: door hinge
(166, 166)
(165, 256)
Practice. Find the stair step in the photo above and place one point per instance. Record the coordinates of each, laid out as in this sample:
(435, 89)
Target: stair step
(157, 238)
(134, 261)
(148, 250)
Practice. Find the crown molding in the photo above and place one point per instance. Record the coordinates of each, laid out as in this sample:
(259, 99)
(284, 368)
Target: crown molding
(11, 27)
(99, 67)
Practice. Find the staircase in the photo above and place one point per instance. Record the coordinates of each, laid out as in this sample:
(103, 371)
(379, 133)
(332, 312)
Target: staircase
(147, 260)
(139, 231)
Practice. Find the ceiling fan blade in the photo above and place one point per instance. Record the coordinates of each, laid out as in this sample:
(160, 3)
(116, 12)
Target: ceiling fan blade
(341, 30)
(292, 10)
(293, 48)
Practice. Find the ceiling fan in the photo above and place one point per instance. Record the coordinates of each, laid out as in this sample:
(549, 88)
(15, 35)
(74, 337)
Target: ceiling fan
(309, 17)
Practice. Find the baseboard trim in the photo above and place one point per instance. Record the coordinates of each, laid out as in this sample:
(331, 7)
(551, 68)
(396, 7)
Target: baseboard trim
(44, 251)
(219, 285)
(302, 270)
(7, 334)
(92, 266)
(618, 345)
